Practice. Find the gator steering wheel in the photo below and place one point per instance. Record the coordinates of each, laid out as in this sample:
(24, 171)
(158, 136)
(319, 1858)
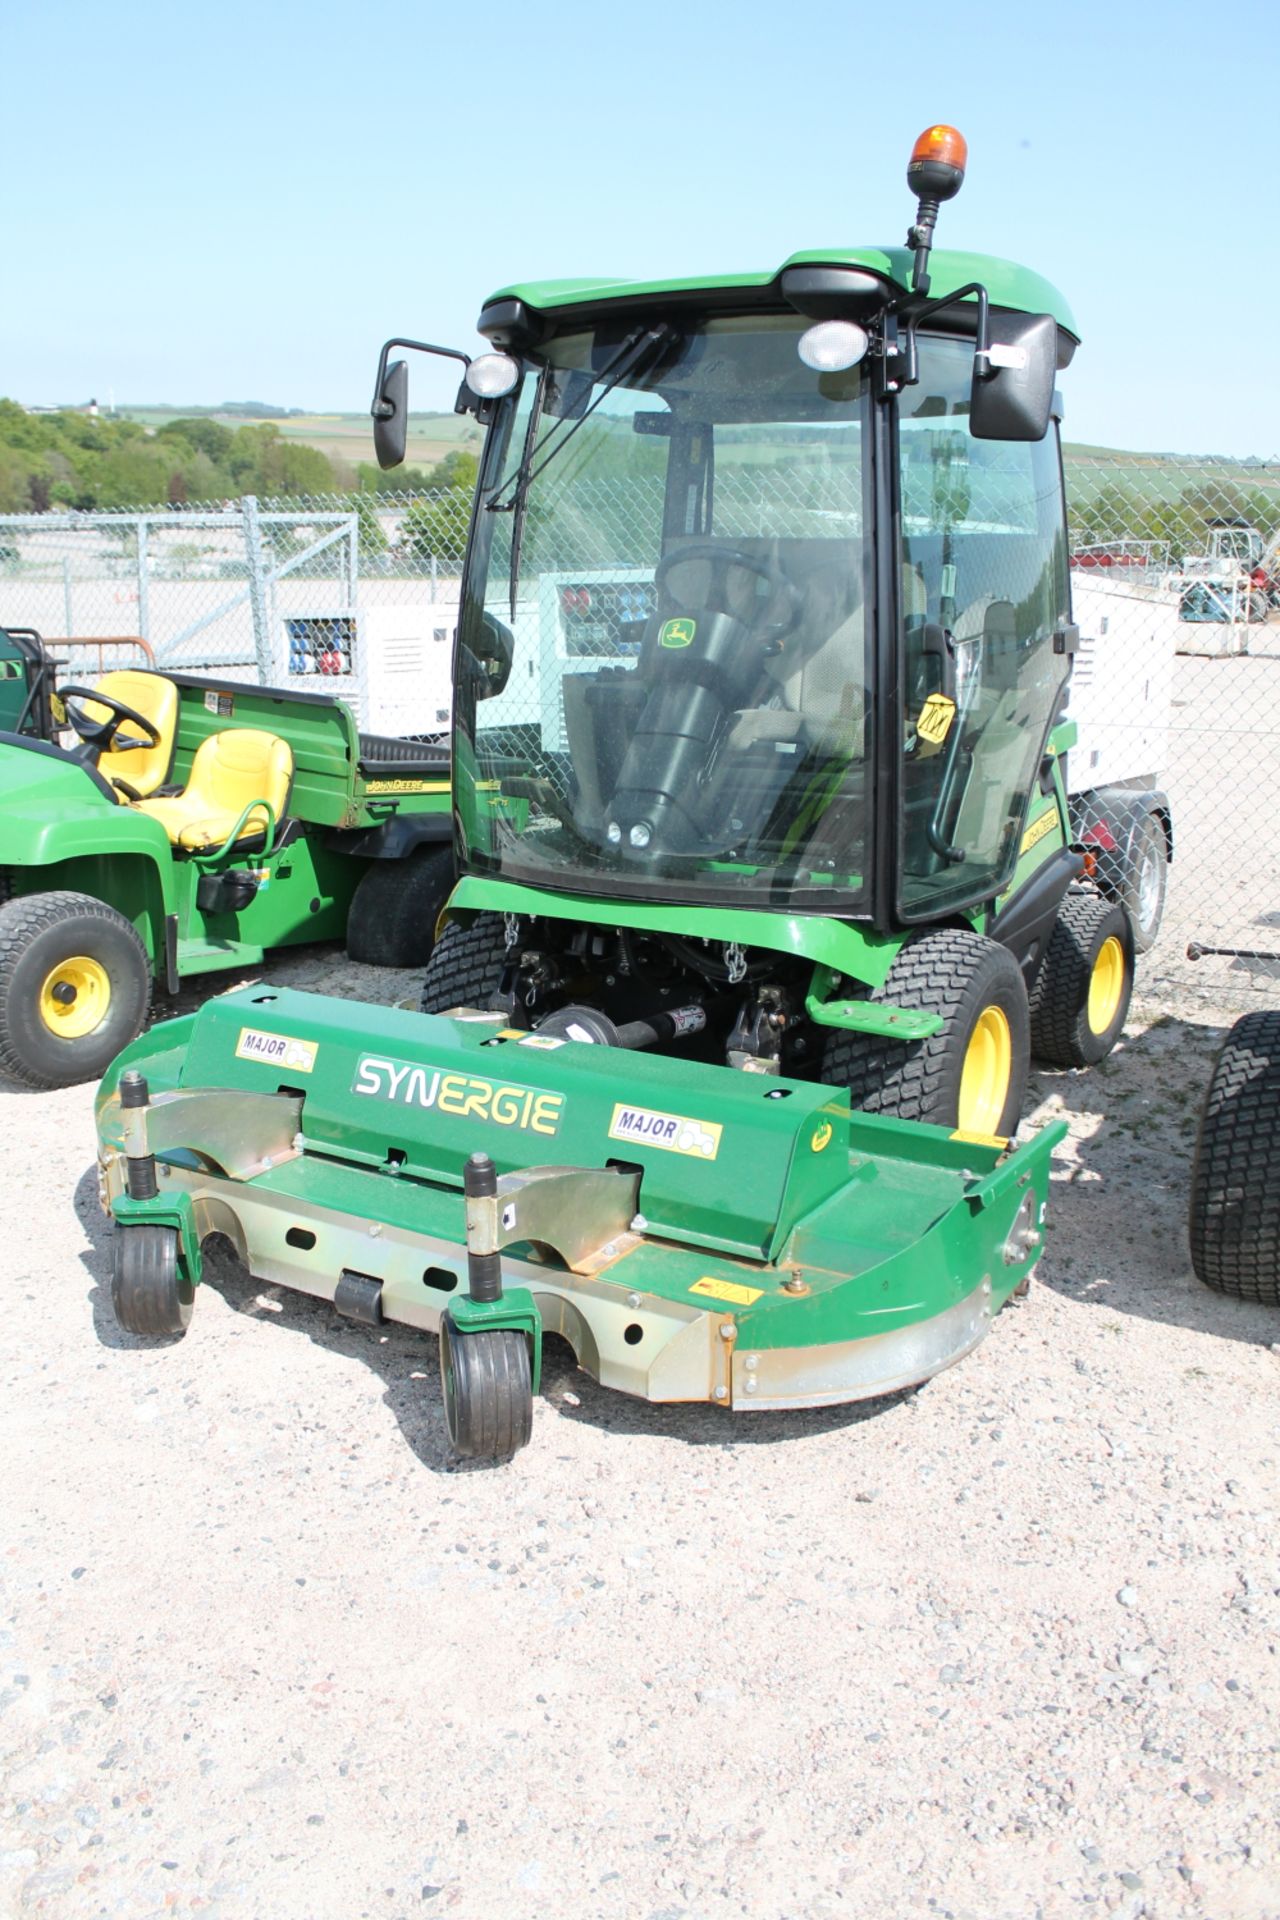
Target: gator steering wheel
(101, 735)
(720, 559)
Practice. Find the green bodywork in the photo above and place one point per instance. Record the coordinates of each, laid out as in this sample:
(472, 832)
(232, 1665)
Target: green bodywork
(811, 1226)
(758, 1243)
(1007, 283)
(26, 678)
(65, 831)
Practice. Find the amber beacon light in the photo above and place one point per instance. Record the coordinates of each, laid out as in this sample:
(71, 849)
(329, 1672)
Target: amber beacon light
(935, 174)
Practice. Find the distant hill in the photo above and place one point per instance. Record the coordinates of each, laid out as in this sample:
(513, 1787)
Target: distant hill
(342, 437)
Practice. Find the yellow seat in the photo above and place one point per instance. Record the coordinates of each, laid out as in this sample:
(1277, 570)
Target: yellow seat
(139, 770)
(230, 772)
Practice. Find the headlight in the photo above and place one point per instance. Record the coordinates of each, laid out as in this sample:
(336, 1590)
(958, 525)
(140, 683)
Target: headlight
(492, 374)
(832, 346)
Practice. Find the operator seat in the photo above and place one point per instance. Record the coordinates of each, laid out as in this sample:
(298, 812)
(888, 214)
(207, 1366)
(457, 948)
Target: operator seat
(235, 778)
(138, 771)
(818, 675)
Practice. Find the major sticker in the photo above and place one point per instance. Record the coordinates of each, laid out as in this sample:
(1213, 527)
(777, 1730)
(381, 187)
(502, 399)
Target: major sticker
(673, 1132)
(223, 704)
(677, 633)
(464, 1095)
(277, 1050)
(726, 1290)
(1036, 832)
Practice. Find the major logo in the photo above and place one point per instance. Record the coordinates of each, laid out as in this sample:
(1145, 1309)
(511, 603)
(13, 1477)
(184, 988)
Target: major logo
(277, 1050)
(673, 1132)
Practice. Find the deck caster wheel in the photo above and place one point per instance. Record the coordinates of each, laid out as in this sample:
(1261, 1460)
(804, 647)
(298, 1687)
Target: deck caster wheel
(488, 1391)
(147, 1291)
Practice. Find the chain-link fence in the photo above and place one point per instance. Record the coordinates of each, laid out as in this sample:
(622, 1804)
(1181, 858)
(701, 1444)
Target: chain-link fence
(1176, 578)
(360, 592)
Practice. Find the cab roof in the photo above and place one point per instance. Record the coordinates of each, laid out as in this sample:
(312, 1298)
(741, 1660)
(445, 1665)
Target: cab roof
(1008, 284)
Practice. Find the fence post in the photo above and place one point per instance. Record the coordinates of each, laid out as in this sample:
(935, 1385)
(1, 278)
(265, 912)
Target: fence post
(144, 573)
(258, 606)
(66, 594)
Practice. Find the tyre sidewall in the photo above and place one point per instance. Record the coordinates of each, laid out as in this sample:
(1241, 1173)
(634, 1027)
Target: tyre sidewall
(1116, 923)
(995, 984)
(44, 1058)
(1148, 840)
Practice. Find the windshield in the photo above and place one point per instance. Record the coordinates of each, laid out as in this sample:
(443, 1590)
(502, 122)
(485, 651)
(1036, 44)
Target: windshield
(662, 677)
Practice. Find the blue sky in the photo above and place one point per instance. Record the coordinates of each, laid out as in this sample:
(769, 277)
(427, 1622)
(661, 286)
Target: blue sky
(242, 202)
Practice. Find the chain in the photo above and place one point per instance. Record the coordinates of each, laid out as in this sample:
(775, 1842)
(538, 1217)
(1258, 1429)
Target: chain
(735, 959)
(512, 929)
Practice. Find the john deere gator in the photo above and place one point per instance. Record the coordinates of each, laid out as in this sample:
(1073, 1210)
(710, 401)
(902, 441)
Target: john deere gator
(764, 643)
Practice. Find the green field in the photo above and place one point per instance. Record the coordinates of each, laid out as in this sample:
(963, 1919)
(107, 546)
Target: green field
(340, 436)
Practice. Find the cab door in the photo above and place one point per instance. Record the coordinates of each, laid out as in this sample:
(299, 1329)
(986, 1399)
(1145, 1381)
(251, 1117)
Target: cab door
(984, 596)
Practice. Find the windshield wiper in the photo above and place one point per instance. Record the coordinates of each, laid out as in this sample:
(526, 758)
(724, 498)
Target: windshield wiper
(635, 349)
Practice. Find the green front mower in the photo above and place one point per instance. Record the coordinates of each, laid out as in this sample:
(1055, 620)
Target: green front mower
(767, 886)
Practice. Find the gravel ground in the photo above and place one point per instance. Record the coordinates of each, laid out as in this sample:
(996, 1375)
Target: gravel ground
(1004, 1647)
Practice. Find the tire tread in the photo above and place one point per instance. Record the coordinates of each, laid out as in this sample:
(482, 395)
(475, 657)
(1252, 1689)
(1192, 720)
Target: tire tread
(465, 965)
(1235, 1190)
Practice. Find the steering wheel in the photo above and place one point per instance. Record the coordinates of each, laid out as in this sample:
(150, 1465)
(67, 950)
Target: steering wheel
(101, 734)
(720, 559)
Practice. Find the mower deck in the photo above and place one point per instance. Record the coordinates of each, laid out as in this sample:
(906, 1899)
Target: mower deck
(696, 1234)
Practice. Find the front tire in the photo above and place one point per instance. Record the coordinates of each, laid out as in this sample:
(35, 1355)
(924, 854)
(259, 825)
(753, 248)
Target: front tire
(466, 965)
(75, 986)
(488, 1391)
(1235, 1201)
(1081, 996)
(149, 1294)
(971, 1075)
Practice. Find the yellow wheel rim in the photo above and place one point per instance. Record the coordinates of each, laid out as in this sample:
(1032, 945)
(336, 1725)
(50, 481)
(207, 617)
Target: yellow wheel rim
(984, 1080)
(1106, 985)
(75, 997)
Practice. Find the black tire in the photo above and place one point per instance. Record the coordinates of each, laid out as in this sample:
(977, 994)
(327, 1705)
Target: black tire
(65, 939)
(969, 980)
(1235, 1196)
(488, 1391)
(149, 1294)
(466, 965)
(1080, 1000)
(1146, 882)
(394, 909)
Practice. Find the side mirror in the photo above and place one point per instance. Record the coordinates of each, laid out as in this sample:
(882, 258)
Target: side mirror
(494, 651)
(390, 407)
(391, 415)
(1013, 397)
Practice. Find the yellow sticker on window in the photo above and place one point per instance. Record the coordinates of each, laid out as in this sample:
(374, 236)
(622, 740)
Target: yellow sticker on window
(935, 720)
(726, 1290)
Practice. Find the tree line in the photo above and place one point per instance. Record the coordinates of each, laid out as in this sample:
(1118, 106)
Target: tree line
(55, 461)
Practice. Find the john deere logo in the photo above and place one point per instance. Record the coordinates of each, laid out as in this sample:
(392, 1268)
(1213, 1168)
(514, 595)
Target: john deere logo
(677, 633)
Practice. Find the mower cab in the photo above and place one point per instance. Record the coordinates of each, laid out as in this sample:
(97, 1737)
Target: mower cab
(767, 884)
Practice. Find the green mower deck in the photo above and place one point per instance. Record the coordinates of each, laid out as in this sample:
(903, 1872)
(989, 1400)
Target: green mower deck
(696, 1234)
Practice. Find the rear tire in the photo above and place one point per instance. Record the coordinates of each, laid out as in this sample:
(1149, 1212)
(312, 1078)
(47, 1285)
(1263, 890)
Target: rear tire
(393, 913)
(1235, 1199)
(972, 1074)
(1146, 882)
(148, 1293)
(488, 1391)
(1081, 996)
(466, 965)
(75, 987)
